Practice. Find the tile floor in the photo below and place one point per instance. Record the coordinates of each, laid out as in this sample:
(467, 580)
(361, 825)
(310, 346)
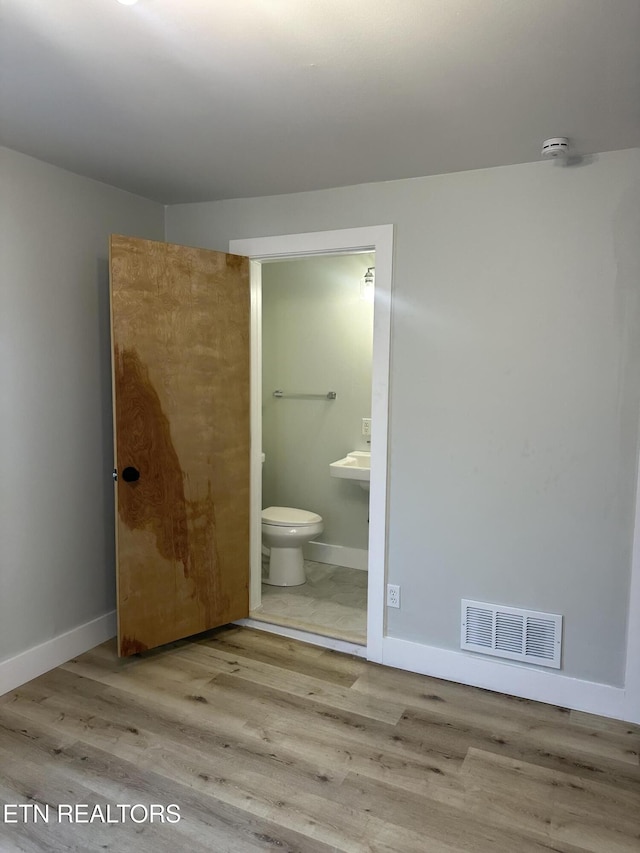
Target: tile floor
(332, 602)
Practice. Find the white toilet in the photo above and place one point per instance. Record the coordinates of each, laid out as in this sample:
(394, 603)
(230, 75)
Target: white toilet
(284, 531)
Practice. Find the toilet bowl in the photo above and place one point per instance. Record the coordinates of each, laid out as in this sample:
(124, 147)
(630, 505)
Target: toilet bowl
(284, 531)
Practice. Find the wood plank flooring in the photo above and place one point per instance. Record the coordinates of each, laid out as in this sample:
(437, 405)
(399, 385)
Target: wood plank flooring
(269, 744)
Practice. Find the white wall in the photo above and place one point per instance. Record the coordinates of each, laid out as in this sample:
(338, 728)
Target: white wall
(56, 492)
(317, 336)
(515, 385)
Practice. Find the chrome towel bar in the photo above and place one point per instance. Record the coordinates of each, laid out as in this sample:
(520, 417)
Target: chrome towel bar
(330, 395)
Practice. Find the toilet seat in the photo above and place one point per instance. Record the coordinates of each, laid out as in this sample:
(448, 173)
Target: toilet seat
(286, 516)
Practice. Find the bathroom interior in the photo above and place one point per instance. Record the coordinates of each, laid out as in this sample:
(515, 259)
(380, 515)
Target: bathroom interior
(317, 348)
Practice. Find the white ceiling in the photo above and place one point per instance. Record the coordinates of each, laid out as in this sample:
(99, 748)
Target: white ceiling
(187, 100)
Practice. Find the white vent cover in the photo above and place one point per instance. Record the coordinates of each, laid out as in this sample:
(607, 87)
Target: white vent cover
(508, 632)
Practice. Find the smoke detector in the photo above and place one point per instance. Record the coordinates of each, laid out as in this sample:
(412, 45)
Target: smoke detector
(557, 146)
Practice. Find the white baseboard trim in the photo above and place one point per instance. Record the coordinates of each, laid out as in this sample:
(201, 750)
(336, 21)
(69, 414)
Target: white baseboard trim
(505, 677)
(305, 637)
(337, 555)
(40, 659)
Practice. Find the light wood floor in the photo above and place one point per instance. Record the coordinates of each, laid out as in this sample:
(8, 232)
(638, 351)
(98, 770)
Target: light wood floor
(269, 744)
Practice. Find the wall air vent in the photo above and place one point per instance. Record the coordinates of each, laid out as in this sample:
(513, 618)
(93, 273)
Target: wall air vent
(508, 632)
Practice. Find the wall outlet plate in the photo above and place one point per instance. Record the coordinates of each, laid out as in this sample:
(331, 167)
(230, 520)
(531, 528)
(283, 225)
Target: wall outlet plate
(393, 595)
(366, 426)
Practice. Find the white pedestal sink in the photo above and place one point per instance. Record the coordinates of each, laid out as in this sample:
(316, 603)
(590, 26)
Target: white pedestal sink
(355, 466)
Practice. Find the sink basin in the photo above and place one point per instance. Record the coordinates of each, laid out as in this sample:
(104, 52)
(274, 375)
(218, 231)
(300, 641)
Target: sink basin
(355, 466)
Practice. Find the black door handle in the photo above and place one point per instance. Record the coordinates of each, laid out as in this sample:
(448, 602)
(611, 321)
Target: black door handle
(130, 474)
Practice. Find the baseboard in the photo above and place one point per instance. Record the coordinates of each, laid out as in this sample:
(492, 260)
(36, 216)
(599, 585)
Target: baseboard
(505, 677)
(40, 659)
(337, 555)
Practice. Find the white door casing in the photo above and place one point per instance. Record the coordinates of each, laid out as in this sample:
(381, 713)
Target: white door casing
(379, 239)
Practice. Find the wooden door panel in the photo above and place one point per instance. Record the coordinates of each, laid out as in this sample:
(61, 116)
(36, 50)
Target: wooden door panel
(180, 331)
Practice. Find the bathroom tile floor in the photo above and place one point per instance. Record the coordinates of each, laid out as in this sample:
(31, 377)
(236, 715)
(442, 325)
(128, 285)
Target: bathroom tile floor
(332, 602)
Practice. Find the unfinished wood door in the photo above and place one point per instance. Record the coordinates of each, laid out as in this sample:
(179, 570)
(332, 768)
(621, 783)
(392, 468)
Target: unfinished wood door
(180, 335)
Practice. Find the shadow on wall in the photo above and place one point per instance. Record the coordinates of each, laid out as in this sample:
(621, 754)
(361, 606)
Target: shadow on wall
(626, 227)
(104, 337)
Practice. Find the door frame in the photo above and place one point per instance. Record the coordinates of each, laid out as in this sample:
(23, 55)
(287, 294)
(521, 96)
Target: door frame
(378, 239)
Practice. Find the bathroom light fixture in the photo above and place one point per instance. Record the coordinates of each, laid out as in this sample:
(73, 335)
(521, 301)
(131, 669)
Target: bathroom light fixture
(366, 288)
(128, 2)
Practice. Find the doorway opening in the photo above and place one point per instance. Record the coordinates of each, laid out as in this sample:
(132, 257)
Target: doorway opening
(317, 350)
(363, 248)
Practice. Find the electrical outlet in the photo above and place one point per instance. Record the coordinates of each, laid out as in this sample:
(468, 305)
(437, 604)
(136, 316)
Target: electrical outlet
(366, 426)
(393, 595)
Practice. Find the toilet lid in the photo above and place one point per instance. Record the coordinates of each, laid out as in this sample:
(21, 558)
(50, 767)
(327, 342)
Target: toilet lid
(289, 517)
